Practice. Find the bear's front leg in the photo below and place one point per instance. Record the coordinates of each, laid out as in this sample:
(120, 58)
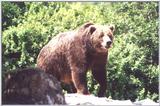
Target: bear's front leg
(79, 80)
(99, 74)
(77, 61)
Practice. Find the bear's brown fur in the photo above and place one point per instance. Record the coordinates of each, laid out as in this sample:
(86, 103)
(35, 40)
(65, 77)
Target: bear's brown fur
(69, 55)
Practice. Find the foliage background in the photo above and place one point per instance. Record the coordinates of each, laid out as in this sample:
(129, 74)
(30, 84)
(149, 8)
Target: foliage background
(132, 69)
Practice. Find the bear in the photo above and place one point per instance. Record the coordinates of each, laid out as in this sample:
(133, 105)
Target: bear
(69, 55)
(31, 86)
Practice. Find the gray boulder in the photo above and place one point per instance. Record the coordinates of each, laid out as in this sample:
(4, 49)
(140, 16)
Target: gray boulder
(31, 86)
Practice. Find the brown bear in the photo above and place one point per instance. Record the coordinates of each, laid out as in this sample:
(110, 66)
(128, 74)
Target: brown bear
(69, 55)
(31, 86)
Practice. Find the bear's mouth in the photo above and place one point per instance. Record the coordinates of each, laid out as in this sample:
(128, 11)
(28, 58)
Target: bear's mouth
(108, 46)
(103, 47)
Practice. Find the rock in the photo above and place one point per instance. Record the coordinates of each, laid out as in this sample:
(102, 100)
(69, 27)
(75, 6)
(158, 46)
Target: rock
(146, 102)
(31, 86)
(78, 99)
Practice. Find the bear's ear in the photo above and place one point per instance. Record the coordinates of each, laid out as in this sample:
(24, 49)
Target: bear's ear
(112, 27)
(86, 25)
(91, 29)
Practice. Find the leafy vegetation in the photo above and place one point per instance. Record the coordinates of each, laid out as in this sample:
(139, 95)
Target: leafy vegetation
(132, 69)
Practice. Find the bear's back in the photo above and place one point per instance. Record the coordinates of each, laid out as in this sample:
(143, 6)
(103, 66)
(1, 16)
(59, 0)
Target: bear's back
(54, 51)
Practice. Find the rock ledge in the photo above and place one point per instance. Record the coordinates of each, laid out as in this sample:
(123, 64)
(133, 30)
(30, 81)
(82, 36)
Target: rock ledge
(78, 99)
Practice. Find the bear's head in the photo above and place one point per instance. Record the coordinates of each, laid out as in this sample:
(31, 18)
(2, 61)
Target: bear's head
(101, 36)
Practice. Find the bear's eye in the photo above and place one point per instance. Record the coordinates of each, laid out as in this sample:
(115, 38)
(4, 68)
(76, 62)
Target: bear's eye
(101, 35)
(110, 36)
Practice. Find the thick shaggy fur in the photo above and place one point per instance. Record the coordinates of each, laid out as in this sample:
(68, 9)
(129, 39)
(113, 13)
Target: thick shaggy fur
(69, 55)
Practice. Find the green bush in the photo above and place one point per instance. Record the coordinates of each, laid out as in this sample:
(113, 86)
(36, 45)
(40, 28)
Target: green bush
(132, 69)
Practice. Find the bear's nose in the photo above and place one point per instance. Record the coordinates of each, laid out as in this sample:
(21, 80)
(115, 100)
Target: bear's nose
(108, 43)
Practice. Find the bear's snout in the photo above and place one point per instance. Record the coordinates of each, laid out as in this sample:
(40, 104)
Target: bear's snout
(108, 44)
